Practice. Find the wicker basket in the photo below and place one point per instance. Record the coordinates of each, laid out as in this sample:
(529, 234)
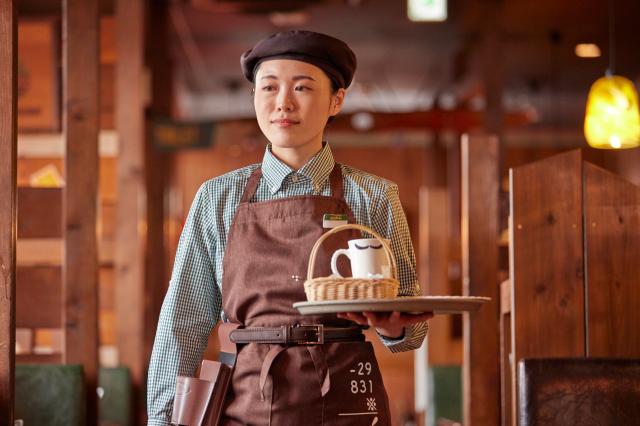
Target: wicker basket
(338, 288)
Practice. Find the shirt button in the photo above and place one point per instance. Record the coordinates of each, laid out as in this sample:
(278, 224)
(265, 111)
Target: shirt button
(294, 178)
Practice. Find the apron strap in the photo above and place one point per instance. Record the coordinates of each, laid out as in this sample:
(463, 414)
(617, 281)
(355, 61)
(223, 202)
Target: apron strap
(322, 368)
(252, 185)
(273, 353)
(335, 178)
(336, 182)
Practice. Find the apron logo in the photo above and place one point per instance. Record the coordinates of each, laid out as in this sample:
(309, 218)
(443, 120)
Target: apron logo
(371, 404)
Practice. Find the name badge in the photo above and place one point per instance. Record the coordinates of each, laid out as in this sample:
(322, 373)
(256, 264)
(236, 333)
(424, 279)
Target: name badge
(334, 220)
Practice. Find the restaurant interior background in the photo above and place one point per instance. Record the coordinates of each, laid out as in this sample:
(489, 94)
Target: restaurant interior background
(443, 108)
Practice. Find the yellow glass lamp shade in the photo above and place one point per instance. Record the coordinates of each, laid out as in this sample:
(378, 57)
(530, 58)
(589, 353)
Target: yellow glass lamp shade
(612, 119)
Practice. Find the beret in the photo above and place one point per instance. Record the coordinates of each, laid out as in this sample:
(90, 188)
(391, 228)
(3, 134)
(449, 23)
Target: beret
(331, 55)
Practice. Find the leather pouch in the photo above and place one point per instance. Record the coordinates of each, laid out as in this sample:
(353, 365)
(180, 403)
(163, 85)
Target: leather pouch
(199, 401)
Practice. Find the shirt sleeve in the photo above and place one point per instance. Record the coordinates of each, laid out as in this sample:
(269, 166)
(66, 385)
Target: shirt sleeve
(189, 312)
(389, 220)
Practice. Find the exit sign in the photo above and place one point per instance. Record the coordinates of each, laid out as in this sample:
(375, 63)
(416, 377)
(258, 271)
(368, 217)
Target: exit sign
(427, 10)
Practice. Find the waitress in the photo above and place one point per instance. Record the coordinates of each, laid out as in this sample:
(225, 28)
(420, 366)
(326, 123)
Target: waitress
(258, 225)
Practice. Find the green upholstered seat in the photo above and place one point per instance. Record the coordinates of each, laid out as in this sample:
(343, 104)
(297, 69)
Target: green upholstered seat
(115, 391)
(445, 394)
(50, 395)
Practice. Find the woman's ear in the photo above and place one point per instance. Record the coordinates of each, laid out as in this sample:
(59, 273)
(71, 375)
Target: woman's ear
(337, 100)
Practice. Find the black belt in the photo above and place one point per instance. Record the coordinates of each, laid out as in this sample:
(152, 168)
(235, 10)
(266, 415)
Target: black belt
(311, 334)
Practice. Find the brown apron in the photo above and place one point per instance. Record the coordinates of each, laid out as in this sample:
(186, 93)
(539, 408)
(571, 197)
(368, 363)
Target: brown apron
(265, 262)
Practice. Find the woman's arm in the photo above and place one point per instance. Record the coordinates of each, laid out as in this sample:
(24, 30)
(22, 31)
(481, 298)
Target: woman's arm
(189, 312)
(399, 332)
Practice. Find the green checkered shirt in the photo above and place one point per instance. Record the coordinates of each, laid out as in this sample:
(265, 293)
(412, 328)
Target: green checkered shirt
(193, 303)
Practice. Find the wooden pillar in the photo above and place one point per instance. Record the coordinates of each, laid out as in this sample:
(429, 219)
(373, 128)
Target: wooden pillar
(81, 126)
(492, 68)
(157, 166)
(8, 152)
(480, 190)
(131, 210)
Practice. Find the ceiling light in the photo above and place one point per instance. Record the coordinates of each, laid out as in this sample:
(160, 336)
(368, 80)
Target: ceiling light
(587, 50)
(612, 118)
(289, 19)
(427, 10)
(362, 121)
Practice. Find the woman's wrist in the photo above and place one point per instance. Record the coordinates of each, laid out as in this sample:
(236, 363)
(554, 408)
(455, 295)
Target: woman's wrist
(391, 333)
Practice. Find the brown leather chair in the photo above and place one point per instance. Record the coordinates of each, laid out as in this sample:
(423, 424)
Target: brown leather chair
(579, 391)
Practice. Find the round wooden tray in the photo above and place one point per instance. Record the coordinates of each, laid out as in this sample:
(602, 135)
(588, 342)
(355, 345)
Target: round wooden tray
(419, 304)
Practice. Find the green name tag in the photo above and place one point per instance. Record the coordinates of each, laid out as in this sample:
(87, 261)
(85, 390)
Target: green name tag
(334, 220)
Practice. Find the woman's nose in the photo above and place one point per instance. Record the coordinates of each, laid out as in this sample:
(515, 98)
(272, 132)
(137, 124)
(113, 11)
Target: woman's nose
(284, 102)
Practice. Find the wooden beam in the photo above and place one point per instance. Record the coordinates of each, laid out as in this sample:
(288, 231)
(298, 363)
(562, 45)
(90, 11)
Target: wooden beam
(436, 120)
(480, 231)
(492, 69)
(80, 127)
(8, 178)
(131, 211)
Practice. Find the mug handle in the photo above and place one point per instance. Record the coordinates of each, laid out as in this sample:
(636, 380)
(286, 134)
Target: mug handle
(334, 261)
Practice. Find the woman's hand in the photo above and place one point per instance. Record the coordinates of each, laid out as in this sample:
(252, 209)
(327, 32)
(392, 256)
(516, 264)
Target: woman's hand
(389, 324)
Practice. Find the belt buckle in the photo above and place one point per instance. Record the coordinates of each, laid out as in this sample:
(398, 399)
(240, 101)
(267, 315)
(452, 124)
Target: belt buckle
(319, 329)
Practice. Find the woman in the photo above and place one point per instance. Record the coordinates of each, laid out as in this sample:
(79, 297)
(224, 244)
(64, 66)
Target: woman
(258, 224)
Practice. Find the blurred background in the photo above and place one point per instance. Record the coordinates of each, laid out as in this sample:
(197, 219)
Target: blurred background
(174, 110)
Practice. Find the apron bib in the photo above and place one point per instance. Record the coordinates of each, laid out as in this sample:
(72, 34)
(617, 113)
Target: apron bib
(265, 264)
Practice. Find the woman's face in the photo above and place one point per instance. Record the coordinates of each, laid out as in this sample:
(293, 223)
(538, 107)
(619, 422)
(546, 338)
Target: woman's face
(293, 101)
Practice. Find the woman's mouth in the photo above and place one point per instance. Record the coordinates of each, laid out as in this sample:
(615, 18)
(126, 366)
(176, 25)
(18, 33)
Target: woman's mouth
(285, 122)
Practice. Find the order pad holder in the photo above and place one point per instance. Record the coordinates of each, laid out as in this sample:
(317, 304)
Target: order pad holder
(199, 401)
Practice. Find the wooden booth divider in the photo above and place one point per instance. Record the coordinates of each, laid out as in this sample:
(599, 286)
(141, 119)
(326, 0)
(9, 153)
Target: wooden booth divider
(574, 282)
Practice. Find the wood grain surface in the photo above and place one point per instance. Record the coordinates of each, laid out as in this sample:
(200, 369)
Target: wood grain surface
(8, 152)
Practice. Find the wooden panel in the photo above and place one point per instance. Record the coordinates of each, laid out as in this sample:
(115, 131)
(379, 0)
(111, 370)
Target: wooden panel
(546, 260)
(38, 77)
(81, 126)
(612, 229)
(480, 230)
(39, 297)
(8, 175)
(444, 349)
(39, 212)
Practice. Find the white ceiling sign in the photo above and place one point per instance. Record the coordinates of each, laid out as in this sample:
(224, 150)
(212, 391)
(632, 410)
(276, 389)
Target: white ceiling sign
(427, 10)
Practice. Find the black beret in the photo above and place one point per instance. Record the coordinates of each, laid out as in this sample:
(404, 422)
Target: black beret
(331, 55)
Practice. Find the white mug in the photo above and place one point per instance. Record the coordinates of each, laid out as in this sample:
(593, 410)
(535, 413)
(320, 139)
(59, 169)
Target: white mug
(367, 257)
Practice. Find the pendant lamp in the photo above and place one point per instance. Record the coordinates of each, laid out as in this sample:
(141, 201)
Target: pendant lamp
(612, 119)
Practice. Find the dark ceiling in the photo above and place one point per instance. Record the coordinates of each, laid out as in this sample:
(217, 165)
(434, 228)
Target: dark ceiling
(407, 66)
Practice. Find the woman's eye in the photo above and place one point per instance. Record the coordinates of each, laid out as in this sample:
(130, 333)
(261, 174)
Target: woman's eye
(302, 88)
(268, 88)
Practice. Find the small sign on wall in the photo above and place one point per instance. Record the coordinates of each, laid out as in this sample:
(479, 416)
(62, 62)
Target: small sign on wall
(168, 134)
